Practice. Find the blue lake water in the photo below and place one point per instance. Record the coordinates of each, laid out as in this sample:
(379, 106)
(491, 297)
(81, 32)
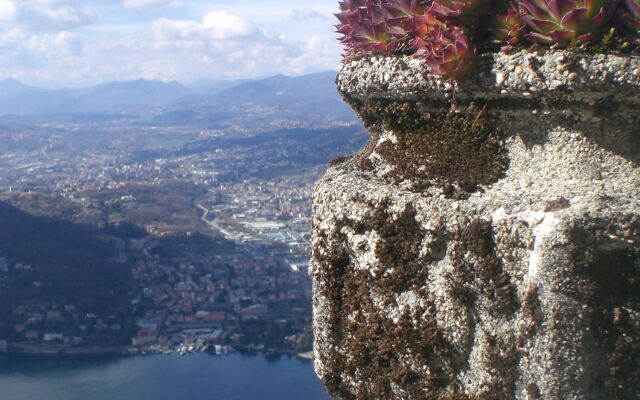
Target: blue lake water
(193, 377)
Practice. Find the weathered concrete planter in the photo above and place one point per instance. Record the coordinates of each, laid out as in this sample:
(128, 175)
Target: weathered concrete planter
(488, 253)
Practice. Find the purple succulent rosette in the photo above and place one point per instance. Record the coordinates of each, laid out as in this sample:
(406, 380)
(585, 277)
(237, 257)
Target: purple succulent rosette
(465, 10)
(447, 50)
(565, 21)
(446, 33)
(417, 27)
(507, 29)
(628, 17)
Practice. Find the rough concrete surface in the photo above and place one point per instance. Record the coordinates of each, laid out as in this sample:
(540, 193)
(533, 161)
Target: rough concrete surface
(512, 274)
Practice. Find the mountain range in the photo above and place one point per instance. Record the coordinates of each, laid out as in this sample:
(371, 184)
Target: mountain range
(315, 93)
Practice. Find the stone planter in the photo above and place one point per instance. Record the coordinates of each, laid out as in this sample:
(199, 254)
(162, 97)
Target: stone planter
(489, 249)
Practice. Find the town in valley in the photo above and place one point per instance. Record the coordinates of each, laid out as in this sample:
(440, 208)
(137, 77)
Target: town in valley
(208, 225)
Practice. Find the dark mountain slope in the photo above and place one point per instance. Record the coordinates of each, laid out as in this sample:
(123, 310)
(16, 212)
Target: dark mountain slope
(70, 263)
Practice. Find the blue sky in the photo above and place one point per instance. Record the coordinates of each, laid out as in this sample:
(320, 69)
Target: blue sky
(60, 43)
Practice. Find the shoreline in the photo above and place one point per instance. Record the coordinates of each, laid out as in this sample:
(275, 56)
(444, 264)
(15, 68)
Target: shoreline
(306, 355)
(241, 376)
(121, 352)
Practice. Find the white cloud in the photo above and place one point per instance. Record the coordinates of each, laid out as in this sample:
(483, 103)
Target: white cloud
(37, 41)
(64, 43)
(214, 26)
(45, 58)
(224, 25)
(305, 13)
(42, 15)
(145, 4)
(7, 10)
(220, 44)
(317, 53)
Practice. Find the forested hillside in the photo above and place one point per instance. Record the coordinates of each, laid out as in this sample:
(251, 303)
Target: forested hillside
(51, 263)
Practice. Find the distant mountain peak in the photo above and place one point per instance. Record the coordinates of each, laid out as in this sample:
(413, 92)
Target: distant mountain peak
(10, 80)
(314, 93)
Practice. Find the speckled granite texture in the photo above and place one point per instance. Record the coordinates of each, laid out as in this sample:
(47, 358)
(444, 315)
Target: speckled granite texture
(489, 249)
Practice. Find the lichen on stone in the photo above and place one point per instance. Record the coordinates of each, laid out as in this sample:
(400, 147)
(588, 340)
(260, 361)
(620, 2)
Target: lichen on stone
(489, 250)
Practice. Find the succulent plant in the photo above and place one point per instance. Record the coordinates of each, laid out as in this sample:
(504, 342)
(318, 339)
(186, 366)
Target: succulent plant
(405, 18)
(364, 28)
(403, 9)
(447, 51)
(465, 10)
(564, 21)
(628, 17)
(387, 26)
(444, 32)
(507, 29)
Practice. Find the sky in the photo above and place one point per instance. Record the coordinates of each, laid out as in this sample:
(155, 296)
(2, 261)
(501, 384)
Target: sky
(74, 43)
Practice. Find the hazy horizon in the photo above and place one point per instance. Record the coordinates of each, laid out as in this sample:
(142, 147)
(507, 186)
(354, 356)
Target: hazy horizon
(72, 43)
(187, 84)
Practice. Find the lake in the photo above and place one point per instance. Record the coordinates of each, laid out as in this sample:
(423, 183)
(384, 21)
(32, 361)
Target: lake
(158, 377)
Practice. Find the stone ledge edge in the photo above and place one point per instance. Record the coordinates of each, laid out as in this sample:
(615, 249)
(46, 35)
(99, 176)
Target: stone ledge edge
(522, 74)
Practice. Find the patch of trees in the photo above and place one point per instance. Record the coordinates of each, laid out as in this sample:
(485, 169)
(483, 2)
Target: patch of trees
(70, 263)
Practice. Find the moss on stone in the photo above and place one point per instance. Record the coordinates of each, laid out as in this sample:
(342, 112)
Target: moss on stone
(380, 354)
(477, 262)
(399, 249)
(533, 391)
(339, 160)
(423, 298)
(532, 315)
(609, 274)
(455, 151)
(371, 347)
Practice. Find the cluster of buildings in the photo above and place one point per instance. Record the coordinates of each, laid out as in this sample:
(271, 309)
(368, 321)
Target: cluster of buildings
(251, 192)
(200, 300)
(41, 327)
(182, 301)
(260, 212)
